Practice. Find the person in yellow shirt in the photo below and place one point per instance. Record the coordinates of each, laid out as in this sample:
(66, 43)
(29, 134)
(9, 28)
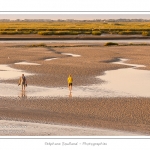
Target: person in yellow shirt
(70, 80)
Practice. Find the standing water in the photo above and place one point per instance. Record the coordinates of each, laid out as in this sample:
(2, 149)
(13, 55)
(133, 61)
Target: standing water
(131, 81)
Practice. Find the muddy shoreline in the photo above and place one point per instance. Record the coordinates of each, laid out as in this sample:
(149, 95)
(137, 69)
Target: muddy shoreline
(71, 37)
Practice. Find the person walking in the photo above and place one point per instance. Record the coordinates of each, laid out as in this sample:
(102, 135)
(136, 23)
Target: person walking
(70, 80)
(23, 82)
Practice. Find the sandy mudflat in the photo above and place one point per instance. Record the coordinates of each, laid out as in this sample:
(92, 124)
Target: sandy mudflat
(18, 128)
(125, 114)
(71, 37)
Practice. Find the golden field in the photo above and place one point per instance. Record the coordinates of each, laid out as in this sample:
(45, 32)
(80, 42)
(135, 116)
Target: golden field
(74, 28)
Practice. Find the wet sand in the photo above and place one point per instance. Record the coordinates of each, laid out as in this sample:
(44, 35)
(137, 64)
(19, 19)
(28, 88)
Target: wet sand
(71, 37)
(126, 114)
(18, 128)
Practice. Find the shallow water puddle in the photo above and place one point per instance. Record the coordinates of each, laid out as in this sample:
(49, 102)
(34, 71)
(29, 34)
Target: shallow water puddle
(12, 90)
(26, 63)
(50, 59)
(122, 62)
(7, 73)
(70, 54)
(78, 41)
(128, 80)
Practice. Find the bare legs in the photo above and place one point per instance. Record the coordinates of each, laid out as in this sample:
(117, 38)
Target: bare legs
(70, 89)
(23, 87)
(23, 94)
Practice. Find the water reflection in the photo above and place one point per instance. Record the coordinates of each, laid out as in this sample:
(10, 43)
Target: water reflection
(23, 94)
(70, 94)
(50, 59)
(70, 54)
(77, 41)
(128, 80)
(122, 62)
(7, 73)
(26, 63)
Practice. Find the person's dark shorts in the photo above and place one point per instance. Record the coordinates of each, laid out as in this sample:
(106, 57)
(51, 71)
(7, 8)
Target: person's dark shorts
(23, 83)
(70, 84)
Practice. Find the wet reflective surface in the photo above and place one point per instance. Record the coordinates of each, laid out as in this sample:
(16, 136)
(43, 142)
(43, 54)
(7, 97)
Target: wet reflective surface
(12, 90)
(128, 80)
(70, 54)
(26, 63)
(79, 41)
(122, 62)
(50, 59)
(7, 73)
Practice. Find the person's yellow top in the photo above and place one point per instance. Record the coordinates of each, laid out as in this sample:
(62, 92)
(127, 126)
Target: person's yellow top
(70, 79)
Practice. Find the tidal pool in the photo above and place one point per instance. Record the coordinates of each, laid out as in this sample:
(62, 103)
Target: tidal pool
(13, 90)
(79, 41)
(122, 62)
(26, 63)
(48, 59)
(70, 54)
(132, 81)
(7, 73)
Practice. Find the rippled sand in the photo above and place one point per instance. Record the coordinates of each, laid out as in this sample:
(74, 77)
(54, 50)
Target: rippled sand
(120, 113)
